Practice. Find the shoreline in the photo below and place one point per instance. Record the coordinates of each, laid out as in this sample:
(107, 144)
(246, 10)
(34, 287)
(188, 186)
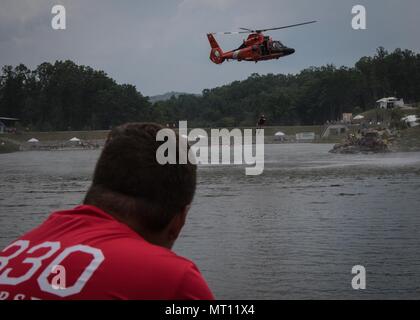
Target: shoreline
(408, 139)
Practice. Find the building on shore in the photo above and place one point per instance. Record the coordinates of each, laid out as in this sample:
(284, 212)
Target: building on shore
(7, 124)
(390, 103)
(334, 130)
(305, 136)
(411, 120)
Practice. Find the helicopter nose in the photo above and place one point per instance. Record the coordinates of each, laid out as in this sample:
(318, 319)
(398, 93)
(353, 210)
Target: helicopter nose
(289, 51)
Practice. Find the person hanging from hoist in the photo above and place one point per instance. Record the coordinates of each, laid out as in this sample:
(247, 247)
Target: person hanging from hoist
(261, 122)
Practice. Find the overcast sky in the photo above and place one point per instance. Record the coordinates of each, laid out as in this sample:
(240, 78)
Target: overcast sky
(161, 46)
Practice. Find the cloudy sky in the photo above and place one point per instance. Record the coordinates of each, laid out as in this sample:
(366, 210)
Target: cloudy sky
(161, 45)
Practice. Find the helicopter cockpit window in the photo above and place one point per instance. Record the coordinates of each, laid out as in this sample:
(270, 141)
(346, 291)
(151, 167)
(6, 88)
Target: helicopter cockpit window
(277, 45)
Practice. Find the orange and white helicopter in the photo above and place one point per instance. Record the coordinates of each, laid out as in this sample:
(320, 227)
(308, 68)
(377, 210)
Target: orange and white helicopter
(257, 47)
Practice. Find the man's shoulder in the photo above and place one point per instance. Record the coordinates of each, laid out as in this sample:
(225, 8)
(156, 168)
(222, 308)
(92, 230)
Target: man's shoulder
(138, 251)
(140, 267)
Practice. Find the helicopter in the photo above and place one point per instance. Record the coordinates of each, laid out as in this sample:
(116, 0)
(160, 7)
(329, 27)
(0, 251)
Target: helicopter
(257, 47)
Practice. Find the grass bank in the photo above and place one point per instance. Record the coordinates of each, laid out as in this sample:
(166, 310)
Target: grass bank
(58, 135)
(7, 146)
(409, 140)
(102, 134)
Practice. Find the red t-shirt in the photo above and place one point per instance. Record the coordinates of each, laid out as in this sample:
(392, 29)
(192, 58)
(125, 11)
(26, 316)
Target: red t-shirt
(85, 253)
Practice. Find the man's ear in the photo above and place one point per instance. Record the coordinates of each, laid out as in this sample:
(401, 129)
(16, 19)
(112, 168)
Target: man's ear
(177, 223)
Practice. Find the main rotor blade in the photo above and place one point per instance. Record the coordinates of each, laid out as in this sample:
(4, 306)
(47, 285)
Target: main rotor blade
(285, 27)
(230, 32)
(246, 30)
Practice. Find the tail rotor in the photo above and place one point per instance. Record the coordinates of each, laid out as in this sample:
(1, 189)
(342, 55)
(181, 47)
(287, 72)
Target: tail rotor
(216, 53)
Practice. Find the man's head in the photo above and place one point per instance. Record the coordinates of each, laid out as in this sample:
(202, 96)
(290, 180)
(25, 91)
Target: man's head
(131, 185)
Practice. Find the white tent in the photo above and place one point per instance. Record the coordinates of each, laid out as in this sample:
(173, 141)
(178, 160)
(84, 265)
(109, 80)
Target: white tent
(358, 117)
(33, 140)
(411, 120)
(74, 139)
(279, 136)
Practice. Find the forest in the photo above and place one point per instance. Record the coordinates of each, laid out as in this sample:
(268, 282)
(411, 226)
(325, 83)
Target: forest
(66, 96)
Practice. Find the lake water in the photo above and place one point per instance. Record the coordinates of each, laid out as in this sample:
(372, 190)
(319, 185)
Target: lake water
(295, 231)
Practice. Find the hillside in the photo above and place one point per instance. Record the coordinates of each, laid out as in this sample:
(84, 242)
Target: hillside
(64, 96)
(313, 96)
(167, 96)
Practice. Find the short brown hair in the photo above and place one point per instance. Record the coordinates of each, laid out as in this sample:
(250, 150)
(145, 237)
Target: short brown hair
(129, 180)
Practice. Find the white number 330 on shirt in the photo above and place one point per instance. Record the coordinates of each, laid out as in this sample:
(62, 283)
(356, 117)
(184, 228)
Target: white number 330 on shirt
(35, 263)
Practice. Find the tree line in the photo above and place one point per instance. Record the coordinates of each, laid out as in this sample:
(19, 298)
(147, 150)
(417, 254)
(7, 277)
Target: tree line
(65, 96)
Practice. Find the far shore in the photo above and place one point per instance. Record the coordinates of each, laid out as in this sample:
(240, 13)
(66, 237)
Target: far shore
(58, 139)
(22, 137)
(409, 139)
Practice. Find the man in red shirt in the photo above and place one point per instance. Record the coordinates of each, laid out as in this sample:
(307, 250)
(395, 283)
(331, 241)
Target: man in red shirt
(117, 245)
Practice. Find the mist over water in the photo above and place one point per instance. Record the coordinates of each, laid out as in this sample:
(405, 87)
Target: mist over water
(293, 232)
